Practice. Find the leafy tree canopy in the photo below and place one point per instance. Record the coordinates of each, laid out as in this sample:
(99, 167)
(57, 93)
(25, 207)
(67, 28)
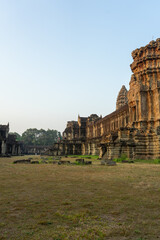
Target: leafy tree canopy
(33, 136)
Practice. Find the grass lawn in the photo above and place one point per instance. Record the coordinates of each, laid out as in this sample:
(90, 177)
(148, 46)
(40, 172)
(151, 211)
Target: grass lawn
(54, 202)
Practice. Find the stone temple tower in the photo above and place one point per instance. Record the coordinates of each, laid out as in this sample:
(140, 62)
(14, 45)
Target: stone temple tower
(144, 92)
(134, 128)
(122, 98)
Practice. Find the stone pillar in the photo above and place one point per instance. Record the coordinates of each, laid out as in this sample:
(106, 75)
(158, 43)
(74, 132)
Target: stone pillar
(93, 149)
(3, 147)
(66, 149)
(74, 148)
(96, 130)
(93, 131)
(101, 152)
(83, 149)
(101, 129)
(13, 149)
(137, 110)
(89, 149)
(19, 150)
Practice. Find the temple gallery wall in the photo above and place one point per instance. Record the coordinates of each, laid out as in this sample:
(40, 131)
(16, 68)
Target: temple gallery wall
(134, 127)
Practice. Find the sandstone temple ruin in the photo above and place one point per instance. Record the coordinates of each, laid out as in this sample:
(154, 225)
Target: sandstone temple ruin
(8, 143)
(134, 128)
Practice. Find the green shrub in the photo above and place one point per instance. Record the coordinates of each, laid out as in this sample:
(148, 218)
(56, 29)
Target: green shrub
(156, 161)
(123, 157)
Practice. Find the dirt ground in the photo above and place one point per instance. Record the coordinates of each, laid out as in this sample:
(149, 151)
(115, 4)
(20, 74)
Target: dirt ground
(54, 202)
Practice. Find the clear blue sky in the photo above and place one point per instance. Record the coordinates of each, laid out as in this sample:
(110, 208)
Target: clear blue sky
(61, 58)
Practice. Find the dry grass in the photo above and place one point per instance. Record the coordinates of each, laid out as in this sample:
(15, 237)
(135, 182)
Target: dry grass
(51, 202)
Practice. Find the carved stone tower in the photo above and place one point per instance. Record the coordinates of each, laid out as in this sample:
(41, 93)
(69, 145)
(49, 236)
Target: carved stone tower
(144, 92)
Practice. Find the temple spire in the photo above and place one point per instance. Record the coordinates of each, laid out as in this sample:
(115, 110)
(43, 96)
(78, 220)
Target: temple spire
(122, 98)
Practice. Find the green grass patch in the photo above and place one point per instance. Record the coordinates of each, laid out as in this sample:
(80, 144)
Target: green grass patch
(84, 156)
(148, 161)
